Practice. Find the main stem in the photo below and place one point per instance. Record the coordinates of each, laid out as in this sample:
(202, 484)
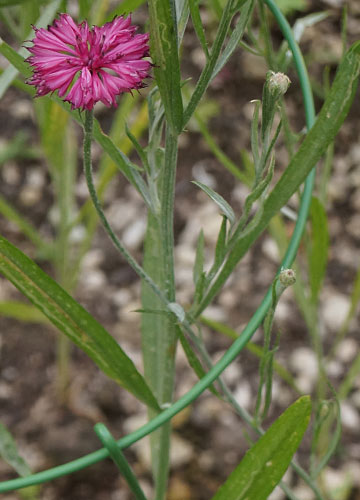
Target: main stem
(158, 330)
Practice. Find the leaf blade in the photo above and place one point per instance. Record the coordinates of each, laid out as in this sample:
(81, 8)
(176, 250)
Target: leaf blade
(319, 247)
(164, 45)
(9, 452)
(224, 206)
(266, 462)
(73, 320)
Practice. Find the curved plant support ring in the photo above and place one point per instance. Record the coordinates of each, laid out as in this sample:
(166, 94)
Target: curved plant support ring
(246, 334)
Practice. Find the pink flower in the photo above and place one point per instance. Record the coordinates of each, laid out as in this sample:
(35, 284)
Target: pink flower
(88, 65)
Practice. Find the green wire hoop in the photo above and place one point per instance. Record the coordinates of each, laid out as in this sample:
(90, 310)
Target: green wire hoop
(247, 333)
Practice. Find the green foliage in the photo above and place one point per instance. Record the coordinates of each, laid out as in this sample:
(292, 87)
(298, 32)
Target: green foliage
(266, 462)
(330, 119)
(224, 206)
(9, 452)
(318, 252)
(167, 67)
(164, 321)
(70, 318)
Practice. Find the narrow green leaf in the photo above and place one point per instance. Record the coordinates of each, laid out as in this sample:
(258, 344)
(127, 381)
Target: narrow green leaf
(26, 227)
(220, 248)
(182, 16)
(14, 58)
(73, 320)
(199, 259)
(164, 50)
(208, 72)
(255, 134)
(194, 360)
(140, 151)
(266, 462)
(22, 312)
(123, 163)
(224, 206)
(319, 247)
(198, 26)
(9, 452)
(235, 37)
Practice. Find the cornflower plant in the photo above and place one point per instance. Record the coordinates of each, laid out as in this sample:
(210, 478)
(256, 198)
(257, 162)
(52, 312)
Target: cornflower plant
(73, 66)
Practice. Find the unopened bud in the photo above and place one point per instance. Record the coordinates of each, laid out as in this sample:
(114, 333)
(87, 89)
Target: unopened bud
(287, 277)
(325, 409)
(278, 83)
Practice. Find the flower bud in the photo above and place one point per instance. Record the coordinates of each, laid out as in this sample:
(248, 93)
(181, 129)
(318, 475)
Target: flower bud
(287, 277)
(278, 83)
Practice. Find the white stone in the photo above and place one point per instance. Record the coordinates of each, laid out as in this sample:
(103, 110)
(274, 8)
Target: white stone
(232, 373)
(304, 492)
(10, 173)
(243, 395)
(270, 249)
(335, 309)
(304, 362)
(334, 368)
(134, 234)
(77, 234)
(350, 416)
(336, 482)
(277, 494)
(201, 175)
(346, 350)
(121, 297)
(93, 280)
(35, 177)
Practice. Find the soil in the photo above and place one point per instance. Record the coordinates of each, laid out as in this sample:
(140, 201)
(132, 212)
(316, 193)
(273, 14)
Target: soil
(208, 437)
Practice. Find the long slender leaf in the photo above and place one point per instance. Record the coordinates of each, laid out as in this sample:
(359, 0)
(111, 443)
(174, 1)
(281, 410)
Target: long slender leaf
(235, 37)
(328, 123)
(26, 227)
(22, 312)
(164, 44)
(198, 26)
(9, 452)
(193, 360)
(266, 462)
(319, 247)
(207, 73)
(73, 320)
(224, 206)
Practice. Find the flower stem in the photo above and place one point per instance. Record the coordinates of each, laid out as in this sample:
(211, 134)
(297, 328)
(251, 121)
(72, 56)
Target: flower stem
(88, 129)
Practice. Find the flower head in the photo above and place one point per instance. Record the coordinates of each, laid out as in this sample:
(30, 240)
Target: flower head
(87, 65)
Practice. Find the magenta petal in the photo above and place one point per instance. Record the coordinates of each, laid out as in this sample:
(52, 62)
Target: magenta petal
(77, 61)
